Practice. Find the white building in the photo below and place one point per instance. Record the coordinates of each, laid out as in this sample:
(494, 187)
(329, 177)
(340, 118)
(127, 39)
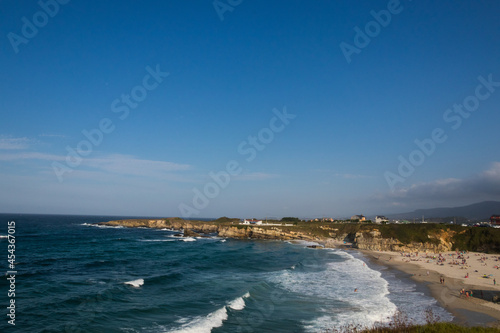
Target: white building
(258, 222)
(380, 219)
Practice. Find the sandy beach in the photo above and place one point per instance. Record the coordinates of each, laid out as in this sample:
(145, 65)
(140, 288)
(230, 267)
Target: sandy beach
(474, 273)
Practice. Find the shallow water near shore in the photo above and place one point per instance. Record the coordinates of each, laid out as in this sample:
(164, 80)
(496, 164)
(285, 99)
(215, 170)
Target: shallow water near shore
(77, 277)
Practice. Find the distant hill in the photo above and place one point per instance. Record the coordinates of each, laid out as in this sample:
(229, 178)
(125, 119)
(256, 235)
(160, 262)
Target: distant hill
(478, 211)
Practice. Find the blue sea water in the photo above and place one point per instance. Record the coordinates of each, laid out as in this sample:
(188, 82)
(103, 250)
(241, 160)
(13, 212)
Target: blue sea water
(73, 276)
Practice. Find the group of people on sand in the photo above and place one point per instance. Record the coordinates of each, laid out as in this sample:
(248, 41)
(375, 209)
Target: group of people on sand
(466, 293)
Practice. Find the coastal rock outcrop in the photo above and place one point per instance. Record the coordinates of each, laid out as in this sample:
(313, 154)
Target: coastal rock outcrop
(374, 241)
(191, 233)
(192, 229)
(364, 237)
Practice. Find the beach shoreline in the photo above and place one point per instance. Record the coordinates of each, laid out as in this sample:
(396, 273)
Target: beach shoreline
(467, 311)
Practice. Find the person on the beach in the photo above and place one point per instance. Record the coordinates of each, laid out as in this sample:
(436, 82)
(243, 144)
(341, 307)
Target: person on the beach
(494, 282)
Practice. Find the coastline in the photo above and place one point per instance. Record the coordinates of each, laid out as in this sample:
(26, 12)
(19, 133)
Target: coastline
(472, 311)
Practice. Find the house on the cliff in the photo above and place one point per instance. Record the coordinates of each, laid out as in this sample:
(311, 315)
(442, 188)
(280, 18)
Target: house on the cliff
(495, 219)
(380, 219)
(252, 221)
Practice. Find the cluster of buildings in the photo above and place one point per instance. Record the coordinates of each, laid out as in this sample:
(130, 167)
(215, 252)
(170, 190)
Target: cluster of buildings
(358, 218)
(495, 220)
(260, 222)
(379, 219)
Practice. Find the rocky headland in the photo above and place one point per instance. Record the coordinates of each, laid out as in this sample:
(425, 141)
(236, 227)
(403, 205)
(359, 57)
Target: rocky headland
(408, 238)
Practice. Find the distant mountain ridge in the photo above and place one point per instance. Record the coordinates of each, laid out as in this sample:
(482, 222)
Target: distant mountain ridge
(478, 211)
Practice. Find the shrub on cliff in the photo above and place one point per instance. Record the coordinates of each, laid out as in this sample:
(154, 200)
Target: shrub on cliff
(477, 239)
(225, 219)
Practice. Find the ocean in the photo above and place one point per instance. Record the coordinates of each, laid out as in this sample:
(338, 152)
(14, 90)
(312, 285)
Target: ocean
(73, 276)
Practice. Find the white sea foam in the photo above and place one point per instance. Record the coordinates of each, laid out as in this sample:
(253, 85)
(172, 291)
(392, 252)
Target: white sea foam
(4, 236)
(156, 240)
(305, 243)
(336, 283)
(238, 303)
(188, 239)
(205, 324)
(102, 226)
(415, 305)
(135, 283)
(222, 240)
(208, 238)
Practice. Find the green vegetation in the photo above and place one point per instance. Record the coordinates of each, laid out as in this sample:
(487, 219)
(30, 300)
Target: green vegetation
(400, 323)
(291, 220)
(478, 239)
(225, 219)
(408, 233)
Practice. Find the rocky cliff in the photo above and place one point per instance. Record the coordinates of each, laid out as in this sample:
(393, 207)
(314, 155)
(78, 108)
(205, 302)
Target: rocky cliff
(360, 236)
(374, 241)
(223, 230)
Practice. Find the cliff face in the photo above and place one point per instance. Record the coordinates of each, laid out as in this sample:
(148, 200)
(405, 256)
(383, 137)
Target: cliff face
(374, 241)
(231, 231)
(172, 223)
(263, 233)
(363, 239)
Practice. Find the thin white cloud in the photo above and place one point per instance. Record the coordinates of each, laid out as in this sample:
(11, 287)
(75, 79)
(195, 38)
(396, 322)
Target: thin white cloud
(114, 164)
(130, 165)
(255, 176)
(15, 143)
(350, 176)
(483, 186)
(31, 156)
(49, 135)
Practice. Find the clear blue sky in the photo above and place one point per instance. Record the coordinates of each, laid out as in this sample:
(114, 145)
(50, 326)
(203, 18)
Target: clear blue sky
(353, 119)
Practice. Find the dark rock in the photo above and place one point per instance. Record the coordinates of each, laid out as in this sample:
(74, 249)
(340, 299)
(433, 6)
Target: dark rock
(191, 233)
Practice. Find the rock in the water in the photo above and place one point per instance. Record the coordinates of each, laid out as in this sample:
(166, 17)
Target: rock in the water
(191, 233)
